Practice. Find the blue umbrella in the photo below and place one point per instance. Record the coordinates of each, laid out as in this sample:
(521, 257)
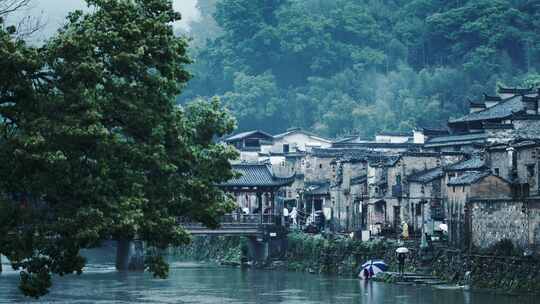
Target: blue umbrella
(373, 267)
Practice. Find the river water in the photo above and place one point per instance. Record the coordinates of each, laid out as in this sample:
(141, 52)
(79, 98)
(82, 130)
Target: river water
(204, 283)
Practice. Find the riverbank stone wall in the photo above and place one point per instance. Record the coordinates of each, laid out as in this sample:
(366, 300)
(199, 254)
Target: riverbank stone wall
(495, 220)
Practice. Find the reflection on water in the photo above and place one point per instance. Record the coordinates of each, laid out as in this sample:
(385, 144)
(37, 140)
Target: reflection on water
(201, 283)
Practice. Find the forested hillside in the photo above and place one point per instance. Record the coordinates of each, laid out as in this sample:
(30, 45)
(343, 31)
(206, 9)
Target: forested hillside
(352, 66)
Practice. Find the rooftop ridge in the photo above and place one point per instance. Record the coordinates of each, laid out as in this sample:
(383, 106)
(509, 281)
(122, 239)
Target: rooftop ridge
(491, 98)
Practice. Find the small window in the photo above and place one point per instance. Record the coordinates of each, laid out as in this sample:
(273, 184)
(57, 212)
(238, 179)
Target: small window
(463, 188)
(496, 171)
(453, 188)
(320, 166)
(422, 189)
(530, 170)
(285, 148)
(398, 179)
(252, 142)
(457, 148)
(418, 210)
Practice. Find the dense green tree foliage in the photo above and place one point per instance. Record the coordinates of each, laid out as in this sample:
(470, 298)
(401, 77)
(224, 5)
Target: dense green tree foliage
(339, 66)
(93, 145)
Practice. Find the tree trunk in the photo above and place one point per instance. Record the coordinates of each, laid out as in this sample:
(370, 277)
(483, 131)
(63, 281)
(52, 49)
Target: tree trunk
(129, 255)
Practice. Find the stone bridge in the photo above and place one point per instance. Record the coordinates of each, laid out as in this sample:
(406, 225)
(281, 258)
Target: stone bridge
(266, 237)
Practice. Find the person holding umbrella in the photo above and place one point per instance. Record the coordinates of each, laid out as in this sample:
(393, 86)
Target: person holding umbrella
(371, 268)
(401, 255)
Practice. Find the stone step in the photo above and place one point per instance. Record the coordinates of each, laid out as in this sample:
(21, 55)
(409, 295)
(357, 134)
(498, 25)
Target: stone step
(415, 279)
(423, 270)
(412, 276)
(404, 283)
(429, 282)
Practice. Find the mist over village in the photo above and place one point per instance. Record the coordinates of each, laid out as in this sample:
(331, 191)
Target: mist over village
(270, 151)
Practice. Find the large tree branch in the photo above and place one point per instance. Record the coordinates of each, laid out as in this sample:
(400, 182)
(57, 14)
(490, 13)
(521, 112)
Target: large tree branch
(10, 6)
(27, 25)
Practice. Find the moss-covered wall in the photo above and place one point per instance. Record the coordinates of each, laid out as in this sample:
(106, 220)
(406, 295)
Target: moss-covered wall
(212, 248)
(508, 274)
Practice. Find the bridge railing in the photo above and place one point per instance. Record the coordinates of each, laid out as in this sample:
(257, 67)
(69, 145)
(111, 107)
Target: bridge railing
(249, 218)
(239, 218)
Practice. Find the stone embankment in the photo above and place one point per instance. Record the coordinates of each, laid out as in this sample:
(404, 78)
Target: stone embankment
(502, 267)
(512, 274)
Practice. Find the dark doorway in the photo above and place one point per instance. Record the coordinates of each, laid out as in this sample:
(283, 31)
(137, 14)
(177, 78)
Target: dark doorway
(363, 223)
(317, 204)
(397, 216)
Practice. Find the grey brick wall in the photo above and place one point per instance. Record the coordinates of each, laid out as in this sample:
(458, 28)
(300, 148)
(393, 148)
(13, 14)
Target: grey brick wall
(492, 221)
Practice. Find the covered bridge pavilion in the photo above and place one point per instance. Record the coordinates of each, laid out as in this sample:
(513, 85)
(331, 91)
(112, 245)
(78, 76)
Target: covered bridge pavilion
(257, 180)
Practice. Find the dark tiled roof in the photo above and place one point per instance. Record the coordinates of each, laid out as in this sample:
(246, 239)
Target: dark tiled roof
(517, 91)
(248, 133)
(317, 188)
(434, 131)
(348, 153)
(517, 144)
(395, 133)
(256, 175)
(530, 98)
(359, 180)
(433, 128)
(326, 152)
(494, 125)
(359, 144)
(420, 154)
(383, 160)
(357, 155)
(501, 110)
(468, 178)
(526, 143)
(478, 104)
(426, 176)
(287, 155)
(456, 139)
(474, 163)
(491, 98)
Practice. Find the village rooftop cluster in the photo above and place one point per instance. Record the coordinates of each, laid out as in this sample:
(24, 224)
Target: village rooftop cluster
(475, 181)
